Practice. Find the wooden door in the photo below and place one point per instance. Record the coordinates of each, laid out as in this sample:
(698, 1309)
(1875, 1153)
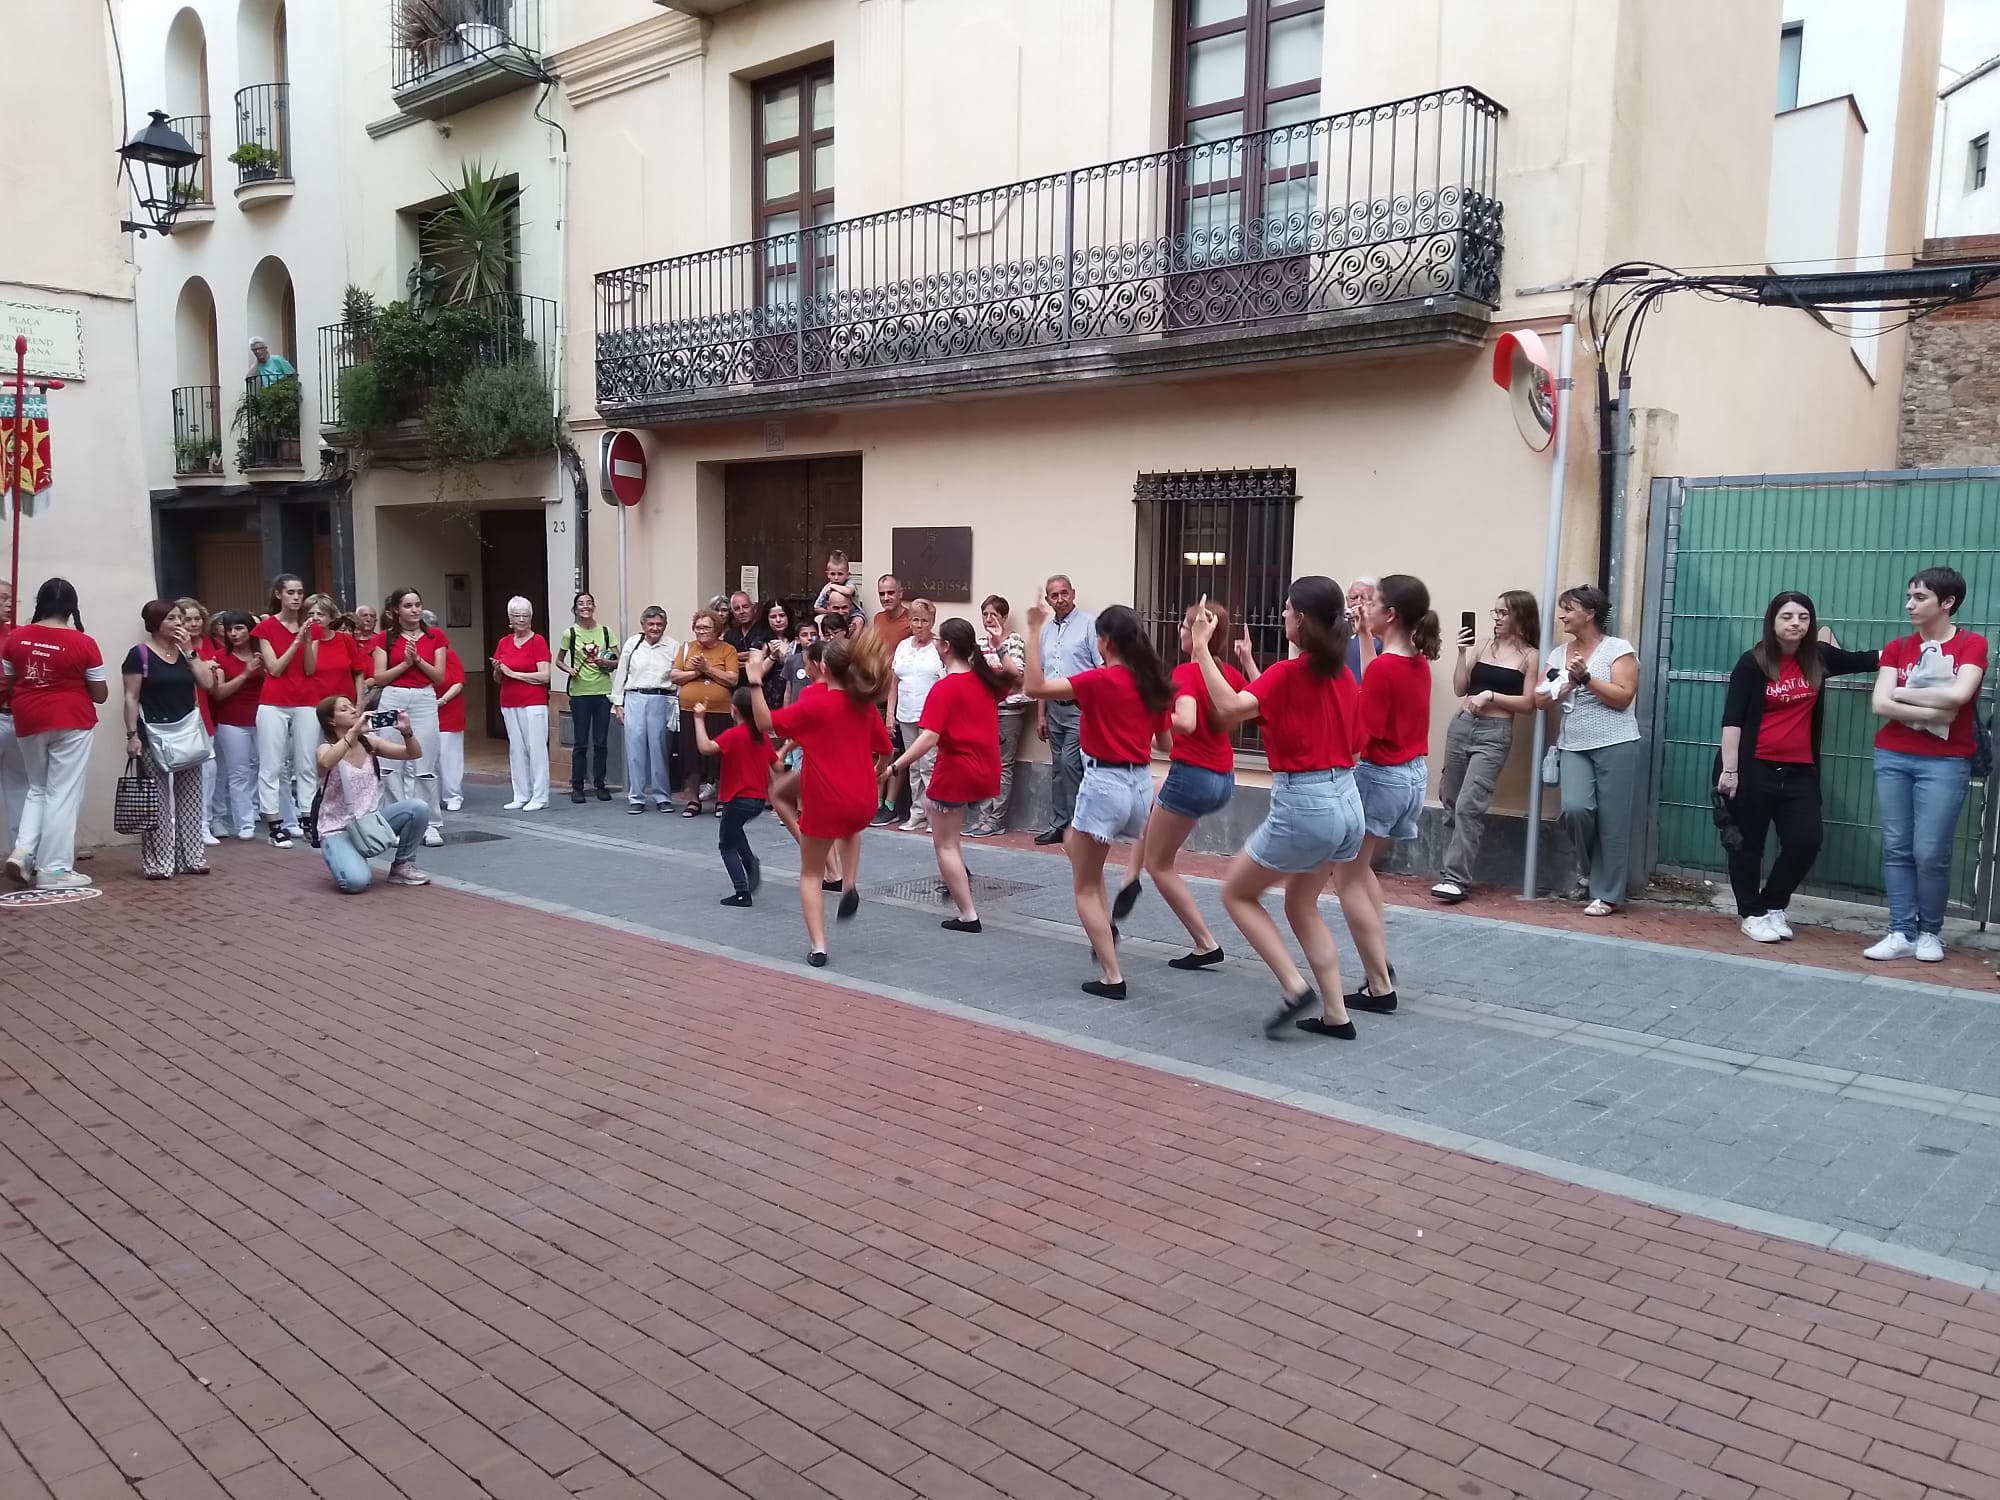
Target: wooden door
(229, 569)
(513, 559)
(783, 518)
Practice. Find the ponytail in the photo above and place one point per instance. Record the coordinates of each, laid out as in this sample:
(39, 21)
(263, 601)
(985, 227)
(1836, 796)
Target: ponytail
(1324, 629)
(957, 634)
(1410, 602)
(745, 715)
(860, 665)
(1121, 627)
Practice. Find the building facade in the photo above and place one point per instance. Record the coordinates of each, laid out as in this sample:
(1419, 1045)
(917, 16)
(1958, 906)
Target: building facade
(1965, 190)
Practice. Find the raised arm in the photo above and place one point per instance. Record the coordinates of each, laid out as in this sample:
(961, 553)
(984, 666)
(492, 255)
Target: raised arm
(1232, 705)
(1033, 683)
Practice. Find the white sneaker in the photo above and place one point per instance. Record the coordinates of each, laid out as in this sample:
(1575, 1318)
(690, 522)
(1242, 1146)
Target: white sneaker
(433, 838)
(1930, 948)
(514, 806)
(1778, 923)
(1759, 929)
(62, 880)
(533, 806)
(21, 868)
(1448, 890)
(1895, 945)
(210, 840)
(453, 804)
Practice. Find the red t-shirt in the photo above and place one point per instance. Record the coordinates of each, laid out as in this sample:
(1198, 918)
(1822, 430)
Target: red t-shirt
(52, 668)
(967, 720)
(6, 692)
(429, 644)
(522, 656)
(746, 764)
(1311, 723)
(1784, 734)
(205, 651)
(451, 716)
(1205, 745)
(1964, 648)
(1396, 709)
(340, 657)
(290, 688)
(1114, 725)
(841, 739)
(239, 709)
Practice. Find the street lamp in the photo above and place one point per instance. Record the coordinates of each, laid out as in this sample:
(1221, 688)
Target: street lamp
(163, 153)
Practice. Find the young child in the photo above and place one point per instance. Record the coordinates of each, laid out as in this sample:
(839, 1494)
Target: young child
(747, 757)
(839, 596)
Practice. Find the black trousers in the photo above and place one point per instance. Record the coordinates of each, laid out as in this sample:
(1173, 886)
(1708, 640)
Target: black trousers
(590, 726)
(1772, 794)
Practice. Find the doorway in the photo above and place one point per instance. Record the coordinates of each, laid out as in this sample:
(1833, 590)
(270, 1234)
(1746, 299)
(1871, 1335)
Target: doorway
(513, 559)
(783, 517)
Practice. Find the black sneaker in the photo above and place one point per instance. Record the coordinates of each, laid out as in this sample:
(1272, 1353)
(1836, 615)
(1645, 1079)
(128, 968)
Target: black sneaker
(279, 838)
(603, 792)
(1050, 835)
(576, 794)
(741, 898)
(635, 807)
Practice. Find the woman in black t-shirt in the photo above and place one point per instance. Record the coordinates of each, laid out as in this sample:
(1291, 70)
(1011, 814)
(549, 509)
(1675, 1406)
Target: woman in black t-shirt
(162, 674)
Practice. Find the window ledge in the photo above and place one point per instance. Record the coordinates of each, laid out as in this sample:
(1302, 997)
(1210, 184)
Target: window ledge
(264, 190)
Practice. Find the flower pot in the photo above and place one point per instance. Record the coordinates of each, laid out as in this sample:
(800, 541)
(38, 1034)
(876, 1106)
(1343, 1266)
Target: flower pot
(478, 36)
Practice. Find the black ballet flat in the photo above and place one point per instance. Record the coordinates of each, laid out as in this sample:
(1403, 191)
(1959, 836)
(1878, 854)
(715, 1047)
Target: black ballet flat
(817, 958)
(850, 903)
(1206, 960)
(1320, 1026)
(961, 924)
(1294, 1007)
(1103, 990)
(1381, 1005)
(1127, 898)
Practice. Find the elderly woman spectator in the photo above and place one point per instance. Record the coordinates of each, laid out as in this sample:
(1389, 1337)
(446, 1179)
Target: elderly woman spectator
(1595, 677)
(918, 668)
(163, 726)
(521, 664)
(1007, 654)
(645, 700)
(706, 671)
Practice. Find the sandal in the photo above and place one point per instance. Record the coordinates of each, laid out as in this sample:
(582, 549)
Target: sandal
(691, 809)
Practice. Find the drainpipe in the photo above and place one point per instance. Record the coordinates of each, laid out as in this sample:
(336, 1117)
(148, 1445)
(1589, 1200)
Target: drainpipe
(1621, 460)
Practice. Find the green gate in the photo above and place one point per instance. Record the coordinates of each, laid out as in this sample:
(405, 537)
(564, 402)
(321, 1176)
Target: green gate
(1724, 547)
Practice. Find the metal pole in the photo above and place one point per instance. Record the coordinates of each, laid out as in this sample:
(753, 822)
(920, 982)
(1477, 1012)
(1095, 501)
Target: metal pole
(20, 468)
(1551, 563)
(1621, 463)
(622, 508)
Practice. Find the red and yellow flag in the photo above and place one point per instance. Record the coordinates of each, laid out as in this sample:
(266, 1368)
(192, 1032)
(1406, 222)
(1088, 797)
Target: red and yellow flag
(36, 475)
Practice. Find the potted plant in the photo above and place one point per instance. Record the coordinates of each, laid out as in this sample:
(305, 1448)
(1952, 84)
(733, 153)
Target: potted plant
(429, 30)
(267, 416)
(188, 192)
(255, 162)
(198, 453)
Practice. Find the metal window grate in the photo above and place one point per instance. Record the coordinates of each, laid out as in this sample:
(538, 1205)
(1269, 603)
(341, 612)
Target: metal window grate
(1223, 533)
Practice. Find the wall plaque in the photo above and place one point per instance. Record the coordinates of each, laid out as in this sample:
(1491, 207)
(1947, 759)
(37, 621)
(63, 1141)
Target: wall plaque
(933, 562)
(55, 339)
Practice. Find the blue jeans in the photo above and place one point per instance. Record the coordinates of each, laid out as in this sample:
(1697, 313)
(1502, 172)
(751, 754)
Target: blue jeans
(590, 730)
(344, 862)
(649, 719)
(737, 857)
(1919, 798)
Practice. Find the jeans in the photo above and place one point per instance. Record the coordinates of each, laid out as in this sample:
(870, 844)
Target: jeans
(649, 720)
(287, 739)
(737, 857)
(528, 752)
(1918, 798)
(1597, 787)
(590, 729)
(1065, 762)
(1013, 724)
(417, 778)
(1475, 753)
(1773, 794)
(56, 761)
(344, 862)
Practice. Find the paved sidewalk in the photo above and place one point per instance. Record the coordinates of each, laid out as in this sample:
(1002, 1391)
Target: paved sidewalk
(438, 1197)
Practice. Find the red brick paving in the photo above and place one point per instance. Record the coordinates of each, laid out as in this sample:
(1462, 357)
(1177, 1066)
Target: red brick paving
(573, 1213)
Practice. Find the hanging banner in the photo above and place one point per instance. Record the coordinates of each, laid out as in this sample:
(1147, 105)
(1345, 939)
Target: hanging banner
(36, 475)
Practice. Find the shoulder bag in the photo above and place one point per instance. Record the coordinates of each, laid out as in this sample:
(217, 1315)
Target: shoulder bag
(179, 744)
(370, 833)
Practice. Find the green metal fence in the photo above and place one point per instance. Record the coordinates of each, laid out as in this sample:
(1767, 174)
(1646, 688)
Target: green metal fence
(1850, 541)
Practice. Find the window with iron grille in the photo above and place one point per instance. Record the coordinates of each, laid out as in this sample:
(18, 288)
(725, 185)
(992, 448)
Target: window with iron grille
(1223, 533)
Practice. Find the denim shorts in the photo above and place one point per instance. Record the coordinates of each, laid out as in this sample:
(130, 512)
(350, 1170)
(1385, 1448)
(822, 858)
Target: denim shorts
(1392, 797)
(1315, 819)
(1195, 791)
(953, 806)
(1112, 801)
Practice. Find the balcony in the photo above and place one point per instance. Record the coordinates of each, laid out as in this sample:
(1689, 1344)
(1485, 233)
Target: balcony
(1372, 229)
(267, 427)
(458, 383)
(449, 55)
(198, 432)
(263, 154)
(194, 188)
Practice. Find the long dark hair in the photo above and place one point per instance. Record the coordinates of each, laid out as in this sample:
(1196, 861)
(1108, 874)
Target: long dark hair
(1771, 656)
(389, 624)
(740, 700)
(56, 599)
(278, 589)
(1525, 613)
(1121, 627)
(1324, 629)
(958, 634)
(860, 665)
(1409, 600)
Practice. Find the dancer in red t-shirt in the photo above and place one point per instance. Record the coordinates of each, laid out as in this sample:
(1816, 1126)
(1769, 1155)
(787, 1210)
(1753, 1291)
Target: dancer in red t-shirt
(841, 732)
(961, 722)
(287, 720)
(746, 755)
(239, 686)
(1124, 719)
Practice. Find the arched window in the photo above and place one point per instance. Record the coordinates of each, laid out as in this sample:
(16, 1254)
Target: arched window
(198, 420)
(187, 102)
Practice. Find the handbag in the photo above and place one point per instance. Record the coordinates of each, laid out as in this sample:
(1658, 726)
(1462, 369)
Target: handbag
(136, 804)
(1552, 767)
(180, 743)
(370, 833)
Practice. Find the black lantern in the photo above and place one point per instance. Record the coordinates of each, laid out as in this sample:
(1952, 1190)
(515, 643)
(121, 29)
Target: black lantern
(167, 158)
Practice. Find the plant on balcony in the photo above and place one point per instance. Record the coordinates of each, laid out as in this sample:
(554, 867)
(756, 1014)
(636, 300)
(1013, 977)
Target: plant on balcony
(198, 454)
(503, 411)
(429, 28)
(475, 236)
(267, 421)
(189, 192)
(258, 163)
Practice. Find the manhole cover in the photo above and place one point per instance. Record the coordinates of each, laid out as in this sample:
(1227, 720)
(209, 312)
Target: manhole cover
(473, 836)
(36, 900)
(931, 892)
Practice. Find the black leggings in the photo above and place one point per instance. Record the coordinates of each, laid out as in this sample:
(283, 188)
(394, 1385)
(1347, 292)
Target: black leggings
(1772, 794)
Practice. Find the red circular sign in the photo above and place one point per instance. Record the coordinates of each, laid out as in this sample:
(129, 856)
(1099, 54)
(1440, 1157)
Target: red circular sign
(625, 468)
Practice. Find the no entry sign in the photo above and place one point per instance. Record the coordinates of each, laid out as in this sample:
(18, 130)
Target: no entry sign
(624, 478)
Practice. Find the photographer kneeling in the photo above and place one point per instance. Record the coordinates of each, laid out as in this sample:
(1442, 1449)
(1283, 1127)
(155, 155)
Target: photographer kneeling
(350, 824)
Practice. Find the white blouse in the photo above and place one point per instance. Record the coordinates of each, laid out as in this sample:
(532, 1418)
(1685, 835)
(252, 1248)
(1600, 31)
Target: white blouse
(644, 666)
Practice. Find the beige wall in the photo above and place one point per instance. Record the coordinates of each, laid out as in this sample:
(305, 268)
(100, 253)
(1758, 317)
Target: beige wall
(97, 532)
(1814, 217)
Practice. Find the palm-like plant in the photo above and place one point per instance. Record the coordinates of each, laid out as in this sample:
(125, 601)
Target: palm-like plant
(473, 235)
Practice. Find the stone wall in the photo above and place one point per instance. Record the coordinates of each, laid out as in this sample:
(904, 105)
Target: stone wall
(1951, 382)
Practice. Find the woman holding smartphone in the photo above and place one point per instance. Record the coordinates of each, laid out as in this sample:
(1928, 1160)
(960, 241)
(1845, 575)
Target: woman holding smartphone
(1491, 682)
(239, 684)
(1595, 678)
(349, 763)
(286, 726)
(587, 656)
(409, 671)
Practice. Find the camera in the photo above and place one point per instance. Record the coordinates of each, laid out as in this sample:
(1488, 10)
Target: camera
(382, 718)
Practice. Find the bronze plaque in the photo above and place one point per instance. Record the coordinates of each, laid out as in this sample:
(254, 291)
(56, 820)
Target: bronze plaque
(933, 562)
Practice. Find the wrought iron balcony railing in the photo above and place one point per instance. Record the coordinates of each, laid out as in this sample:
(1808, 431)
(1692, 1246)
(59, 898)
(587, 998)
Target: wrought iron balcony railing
(267, 423)
(1389, 205)
(393, 369)
(194, 187)
(197, 429)
(263, 134)
(449, 54)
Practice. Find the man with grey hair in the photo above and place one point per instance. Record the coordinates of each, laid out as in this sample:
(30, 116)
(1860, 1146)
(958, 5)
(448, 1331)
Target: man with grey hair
(645, 700)
(1069, 646)
(1362, 648)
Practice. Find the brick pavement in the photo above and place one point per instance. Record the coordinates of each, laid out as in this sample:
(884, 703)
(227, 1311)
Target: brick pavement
(571, 1212)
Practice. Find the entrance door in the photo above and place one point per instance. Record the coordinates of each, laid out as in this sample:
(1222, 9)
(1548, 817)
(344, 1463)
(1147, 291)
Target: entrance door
(513, 559)
(783, 518)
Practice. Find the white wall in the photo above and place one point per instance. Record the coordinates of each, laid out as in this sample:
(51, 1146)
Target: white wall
(1968, 112)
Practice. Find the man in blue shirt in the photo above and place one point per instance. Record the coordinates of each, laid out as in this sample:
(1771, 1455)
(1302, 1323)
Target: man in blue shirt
(1069, 646)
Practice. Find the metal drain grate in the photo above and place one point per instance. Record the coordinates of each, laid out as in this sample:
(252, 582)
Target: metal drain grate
(473, 836)
(930, 891)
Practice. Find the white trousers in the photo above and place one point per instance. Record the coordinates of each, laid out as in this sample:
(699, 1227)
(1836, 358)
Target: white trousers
(13, 780)
(528, 751)
(286, 741)
(451, 766)
(235, 805)
(56, 762)
(415, 778)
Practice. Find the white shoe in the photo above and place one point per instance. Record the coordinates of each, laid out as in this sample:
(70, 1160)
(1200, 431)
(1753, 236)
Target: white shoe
(433, 837)
(1448, 890)
(1599, 909)
(21, 868)
(1759, 929)
(1895, 945)
(1777, 922)
(62, 880)
(453, 804)
(514, 806)
(533, 806)
(210, 840)
(1930, 948)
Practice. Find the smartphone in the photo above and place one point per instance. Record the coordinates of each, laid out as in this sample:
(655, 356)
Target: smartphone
(1465, 622)
(382, 718)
